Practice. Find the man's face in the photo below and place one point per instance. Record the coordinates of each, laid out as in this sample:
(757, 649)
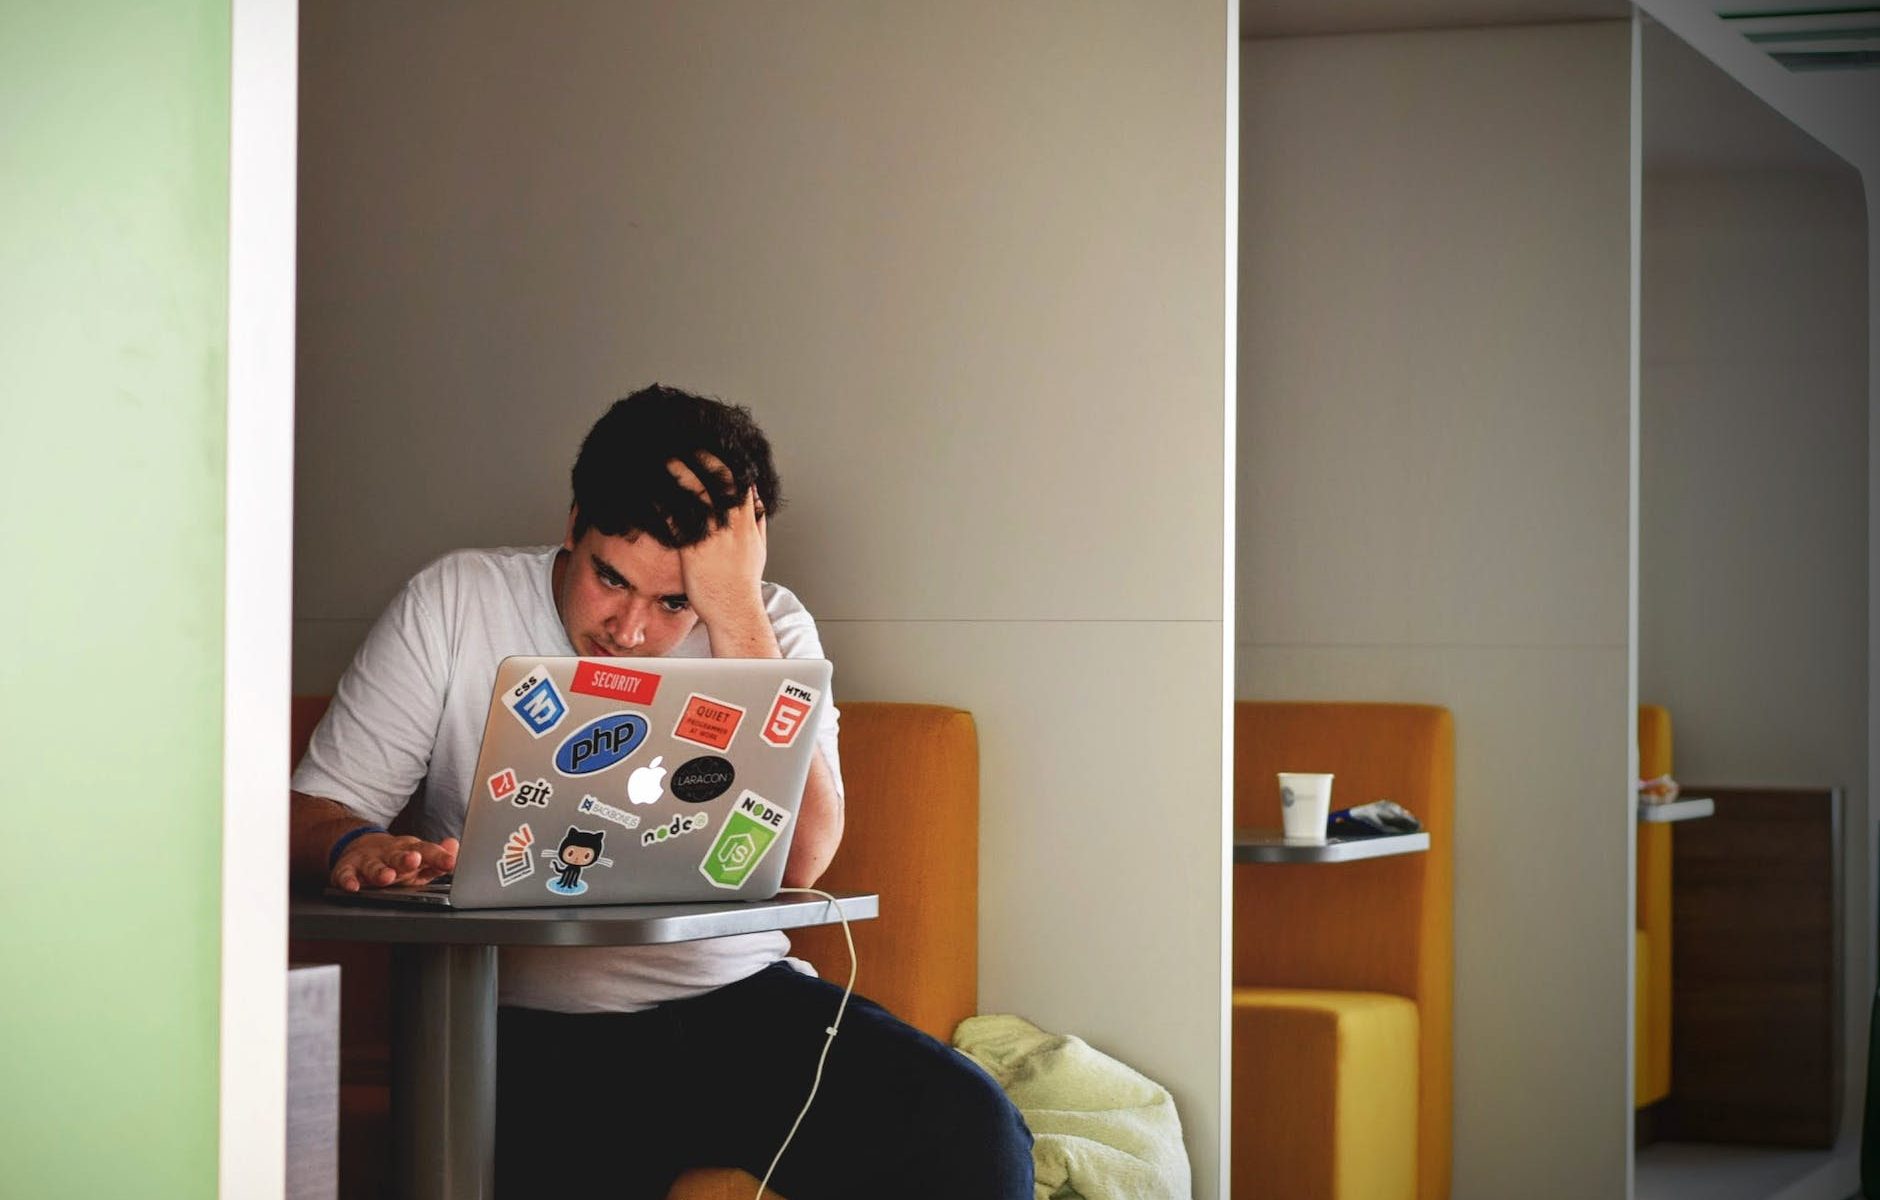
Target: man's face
(622, 596)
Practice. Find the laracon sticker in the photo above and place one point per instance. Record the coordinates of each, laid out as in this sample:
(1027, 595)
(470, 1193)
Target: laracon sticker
(644, 786)
(748, 834)
(602, 743)
(708, 722)
(704, 778)
(579, 850)
(679, 826)
(503, 784)
(608, 812)
(515, 863)
(788, 712)
(614, 683)
(536, 703)
(537, 793)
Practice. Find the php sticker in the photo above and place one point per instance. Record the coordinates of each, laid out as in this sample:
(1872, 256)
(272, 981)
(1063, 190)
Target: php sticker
(536, 703)
(708, 722)
(704, 778)
(515, 863)
(608, 812)
(748, 834)
(679, 826)
(503, 784)
(602, 743)
(614, 683)
(788, 712)
(579, 850)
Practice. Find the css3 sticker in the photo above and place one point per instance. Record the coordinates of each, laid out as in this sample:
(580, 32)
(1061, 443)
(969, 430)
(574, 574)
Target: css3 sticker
(536, 703)
(602, 743)
(788, 712)
(747, 836)
(704, 778)
(579, 850)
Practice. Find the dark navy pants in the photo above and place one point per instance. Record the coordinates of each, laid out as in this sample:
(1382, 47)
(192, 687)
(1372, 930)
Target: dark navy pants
(618, 1104)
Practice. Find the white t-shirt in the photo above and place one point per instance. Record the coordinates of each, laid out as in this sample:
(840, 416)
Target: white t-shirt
(408, 718)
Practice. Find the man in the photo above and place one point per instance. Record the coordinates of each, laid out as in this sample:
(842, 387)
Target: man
(620, 1067)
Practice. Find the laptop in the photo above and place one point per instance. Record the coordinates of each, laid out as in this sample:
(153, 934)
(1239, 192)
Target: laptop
(632, 780)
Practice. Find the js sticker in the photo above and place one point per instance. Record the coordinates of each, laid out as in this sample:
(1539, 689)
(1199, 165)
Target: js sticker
(536, 704)
(747, 836)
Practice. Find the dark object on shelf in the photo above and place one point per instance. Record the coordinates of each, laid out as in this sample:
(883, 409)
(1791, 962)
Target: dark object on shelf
(1380, 818)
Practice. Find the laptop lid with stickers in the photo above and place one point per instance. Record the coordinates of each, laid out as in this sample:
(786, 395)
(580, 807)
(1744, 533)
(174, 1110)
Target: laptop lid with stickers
(635, 780)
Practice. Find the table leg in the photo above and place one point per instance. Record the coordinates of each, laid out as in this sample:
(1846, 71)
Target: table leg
(444, 1072)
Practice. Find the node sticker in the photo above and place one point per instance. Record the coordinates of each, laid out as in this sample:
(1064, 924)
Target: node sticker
(707, 722)
(602, 743)
(536, 703)
(747, 836)
(515, 862)
(503, 784)
(614, 683)
(704, 778)
(679, 826)
(579, 850)
(608, 812)
(788, 712)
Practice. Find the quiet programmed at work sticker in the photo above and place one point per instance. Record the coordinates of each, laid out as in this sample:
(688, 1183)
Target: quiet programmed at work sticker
(708, 722)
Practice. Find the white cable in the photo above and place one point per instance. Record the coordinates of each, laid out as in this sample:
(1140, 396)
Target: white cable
(827, 1042)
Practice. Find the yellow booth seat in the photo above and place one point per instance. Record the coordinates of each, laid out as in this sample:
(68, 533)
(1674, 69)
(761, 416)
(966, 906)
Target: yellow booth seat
(1343, 972)
(1651, 1076)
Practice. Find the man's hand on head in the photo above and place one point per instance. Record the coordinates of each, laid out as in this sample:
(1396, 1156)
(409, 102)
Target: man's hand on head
(724, 573)
(376, 860)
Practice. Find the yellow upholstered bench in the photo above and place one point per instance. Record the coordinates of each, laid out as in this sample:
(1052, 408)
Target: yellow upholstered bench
(1651, 1078)
(1343, 972)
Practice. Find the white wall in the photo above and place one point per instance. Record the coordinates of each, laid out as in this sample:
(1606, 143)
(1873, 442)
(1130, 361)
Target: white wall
(1754, 496)
(1435, 424)
(965, 261)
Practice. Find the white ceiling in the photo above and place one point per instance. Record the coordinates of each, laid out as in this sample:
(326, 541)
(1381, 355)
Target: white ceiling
(1296, 18)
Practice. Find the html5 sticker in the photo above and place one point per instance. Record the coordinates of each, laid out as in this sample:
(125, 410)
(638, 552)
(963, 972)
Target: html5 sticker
(503, 784)
(708, 722)
(788, 712)
(614, 683)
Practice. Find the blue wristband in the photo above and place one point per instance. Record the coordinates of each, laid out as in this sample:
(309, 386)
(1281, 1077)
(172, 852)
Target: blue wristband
(346, 839)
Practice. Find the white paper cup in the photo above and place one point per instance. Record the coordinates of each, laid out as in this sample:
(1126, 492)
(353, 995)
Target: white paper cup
(1305, 805)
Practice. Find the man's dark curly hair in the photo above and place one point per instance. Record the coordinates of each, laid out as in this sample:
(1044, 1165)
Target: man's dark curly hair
(621, 482)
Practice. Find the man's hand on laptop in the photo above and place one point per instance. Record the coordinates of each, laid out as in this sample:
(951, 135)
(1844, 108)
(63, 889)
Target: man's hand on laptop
(377, 860)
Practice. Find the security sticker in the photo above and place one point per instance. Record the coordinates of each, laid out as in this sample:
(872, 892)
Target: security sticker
(579, 850)
(679, 826)
(537, 793)
(706, 777)
(503, 784)
(515, 862)
(747, 835)
(614, 683)
(602, 743)
(608, 812)
(788, 712)
(536, 703)
(708, 722)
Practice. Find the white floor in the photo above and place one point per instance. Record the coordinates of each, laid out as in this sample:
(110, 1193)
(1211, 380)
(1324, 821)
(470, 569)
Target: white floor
(1688, 1171)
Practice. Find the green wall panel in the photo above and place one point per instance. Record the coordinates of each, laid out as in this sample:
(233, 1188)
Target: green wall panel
(114, 122)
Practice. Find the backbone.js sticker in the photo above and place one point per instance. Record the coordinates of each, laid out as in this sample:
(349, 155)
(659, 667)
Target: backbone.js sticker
(746, 836)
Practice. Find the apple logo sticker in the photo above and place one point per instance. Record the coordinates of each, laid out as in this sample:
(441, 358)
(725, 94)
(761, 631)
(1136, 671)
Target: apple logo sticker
(643, 786)
(704, 778)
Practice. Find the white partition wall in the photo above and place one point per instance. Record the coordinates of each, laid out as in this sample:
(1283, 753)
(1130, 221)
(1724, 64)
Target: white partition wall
(965, 261)
(1435, 429)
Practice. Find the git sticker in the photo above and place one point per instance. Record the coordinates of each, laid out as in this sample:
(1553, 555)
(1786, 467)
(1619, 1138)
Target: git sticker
(515, 863)
(788, 712)
(708, 722)
(536, 704)
(747, 835)
(503, 784)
